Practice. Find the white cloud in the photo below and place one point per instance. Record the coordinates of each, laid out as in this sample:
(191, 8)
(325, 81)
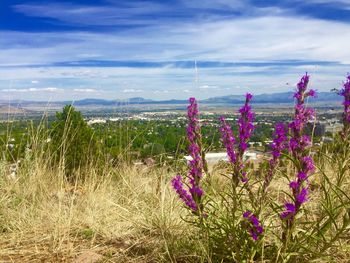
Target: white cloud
(165, 83)
(51, 89)
(85, 90)
(132, 90)
(218, 4)
(250, 39)
(208, 87)
(48, 89)
(161, 91)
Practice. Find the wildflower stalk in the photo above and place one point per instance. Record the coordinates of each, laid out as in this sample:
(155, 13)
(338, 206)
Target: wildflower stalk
(345, 92)
(193, 196)
(236, 154)
(255, 228)
(342, 142)
(279, 143)
(229, 142)
(246, 127)
(245, 130)
(277, 146)
(298, 145)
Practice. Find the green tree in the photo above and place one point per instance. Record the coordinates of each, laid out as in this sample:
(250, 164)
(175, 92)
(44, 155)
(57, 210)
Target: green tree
(73, 142)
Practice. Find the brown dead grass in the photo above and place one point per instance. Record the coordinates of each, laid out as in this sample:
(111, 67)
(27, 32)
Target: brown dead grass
(122, 215)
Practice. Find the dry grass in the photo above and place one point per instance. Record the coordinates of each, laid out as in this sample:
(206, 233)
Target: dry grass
(122, 214)
(125, 214)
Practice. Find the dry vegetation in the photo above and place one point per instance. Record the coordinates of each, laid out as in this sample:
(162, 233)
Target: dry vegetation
(122, 214)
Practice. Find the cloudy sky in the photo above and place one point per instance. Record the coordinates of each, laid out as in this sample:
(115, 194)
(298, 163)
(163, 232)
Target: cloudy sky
(70, 49)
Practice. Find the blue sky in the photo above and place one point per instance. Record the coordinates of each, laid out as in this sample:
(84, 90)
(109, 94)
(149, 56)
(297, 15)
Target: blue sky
(57, 50)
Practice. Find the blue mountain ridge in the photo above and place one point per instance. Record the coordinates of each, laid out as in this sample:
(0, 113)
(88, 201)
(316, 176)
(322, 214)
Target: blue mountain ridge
(279, 98)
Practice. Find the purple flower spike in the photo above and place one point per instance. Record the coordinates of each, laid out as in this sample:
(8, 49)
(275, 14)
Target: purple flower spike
(293, 185)
(228, 140)
(345, 92)
(307, 164)
(246, 127)
(245, 123)
(196, 164)
(255, 228)
(182, 193)
(289, 211)
(302, 196)
(247, 214)
(277, 146)
(298, 144)
(192, 197)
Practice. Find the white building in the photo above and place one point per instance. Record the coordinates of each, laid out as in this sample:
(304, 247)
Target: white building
(93, 121)
(213, 158)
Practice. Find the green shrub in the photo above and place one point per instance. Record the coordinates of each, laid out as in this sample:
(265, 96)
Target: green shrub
(73, 143)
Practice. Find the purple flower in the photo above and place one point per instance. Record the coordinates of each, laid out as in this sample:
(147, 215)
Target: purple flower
(247, 214)
(289, 211)
(345, 92)
(245, 123)
(249, 96)
(255, 228)
(302, 176)
(228, 140)
(293, 184)
(277, 146)
(194, 136)
(302, 196)
(192, 197)
(182, 193)
(245, 129)
(312, 93)
(307, 164)
(298, 144)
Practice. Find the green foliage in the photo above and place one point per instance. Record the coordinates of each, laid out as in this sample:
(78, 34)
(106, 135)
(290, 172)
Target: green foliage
(13, 140)
(73, 142)
(87, 233)
(122, 140)
(153, 149)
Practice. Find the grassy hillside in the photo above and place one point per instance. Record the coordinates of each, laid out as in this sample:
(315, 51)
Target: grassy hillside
(123, 213)
(127, 213)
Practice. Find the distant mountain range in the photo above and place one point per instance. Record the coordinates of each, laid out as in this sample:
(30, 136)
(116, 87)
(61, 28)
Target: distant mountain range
(284, 97)
(280, 98)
